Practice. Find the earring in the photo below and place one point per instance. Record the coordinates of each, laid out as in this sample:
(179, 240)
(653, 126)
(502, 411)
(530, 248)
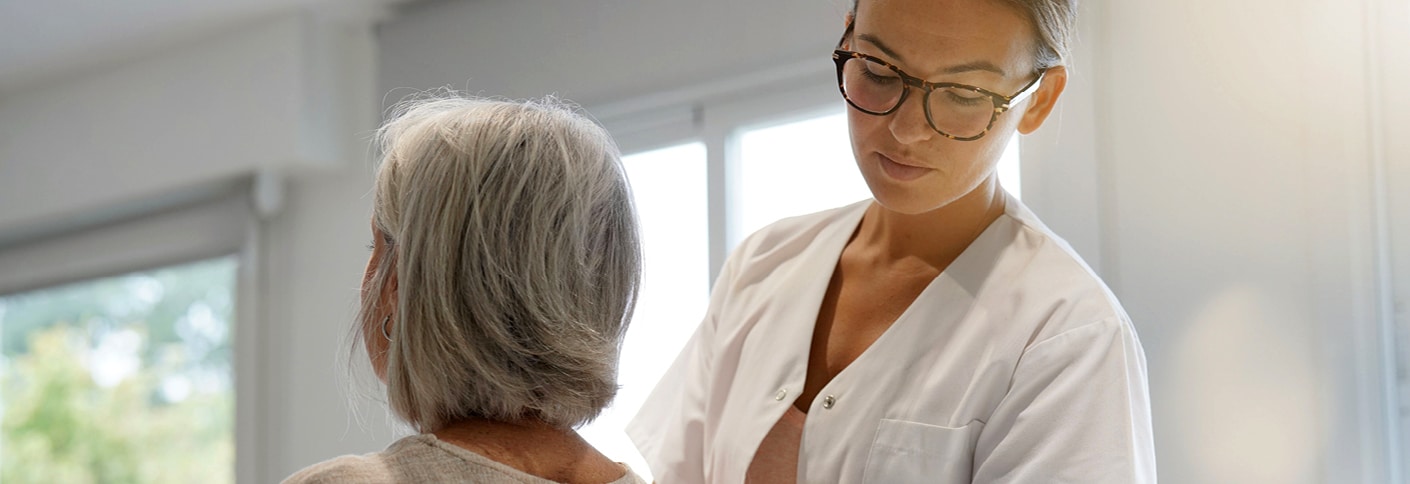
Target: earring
(386, 320)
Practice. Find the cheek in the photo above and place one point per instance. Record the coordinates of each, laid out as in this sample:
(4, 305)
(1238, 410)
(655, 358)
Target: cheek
(367, 271)
(364, 293)
(375, 344)
(997, 141)
(980, 157)
(864, 130)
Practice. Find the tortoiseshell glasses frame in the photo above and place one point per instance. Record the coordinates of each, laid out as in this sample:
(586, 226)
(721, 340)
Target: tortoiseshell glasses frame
(1001, 102)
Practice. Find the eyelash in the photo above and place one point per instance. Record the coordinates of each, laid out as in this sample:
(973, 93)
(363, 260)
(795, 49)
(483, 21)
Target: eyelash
(965, 101)
(874, 77)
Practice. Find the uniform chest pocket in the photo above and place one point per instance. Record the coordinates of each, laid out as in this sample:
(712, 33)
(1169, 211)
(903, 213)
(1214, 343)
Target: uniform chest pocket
(913, 452)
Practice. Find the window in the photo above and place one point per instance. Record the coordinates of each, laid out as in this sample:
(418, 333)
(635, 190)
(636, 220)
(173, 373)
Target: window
(120, 379)
(793, 169)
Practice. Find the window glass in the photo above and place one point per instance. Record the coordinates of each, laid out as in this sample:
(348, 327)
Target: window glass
(669, 186)
(1009, 172)
(793, 169)
(122, 379)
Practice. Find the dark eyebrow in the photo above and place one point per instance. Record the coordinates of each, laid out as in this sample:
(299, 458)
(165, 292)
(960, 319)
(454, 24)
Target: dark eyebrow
(981, 65)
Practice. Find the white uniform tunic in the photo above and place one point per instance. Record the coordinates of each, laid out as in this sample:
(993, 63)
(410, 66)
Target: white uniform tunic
(1016, 365)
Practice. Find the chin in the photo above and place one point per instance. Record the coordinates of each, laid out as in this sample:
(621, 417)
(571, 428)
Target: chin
(908, 200)
(910, 205)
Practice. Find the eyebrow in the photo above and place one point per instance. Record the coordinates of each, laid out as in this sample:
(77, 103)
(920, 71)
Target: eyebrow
(981, 65)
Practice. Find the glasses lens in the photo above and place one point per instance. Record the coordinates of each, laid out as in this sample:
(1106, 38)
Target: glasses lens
(871, 86)
(960, 112)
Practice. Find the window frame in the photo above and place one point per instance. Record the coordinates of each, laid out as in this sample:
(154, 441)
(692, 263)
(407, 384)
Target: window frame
(212, 221)
(715, 113)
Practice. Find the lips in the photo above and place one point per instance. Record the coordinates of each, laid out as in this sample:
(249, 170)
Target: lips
(900, 171)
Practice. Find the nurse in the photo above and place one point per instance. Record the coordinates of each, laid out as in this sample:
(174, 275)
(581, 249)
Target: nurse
(937, 333)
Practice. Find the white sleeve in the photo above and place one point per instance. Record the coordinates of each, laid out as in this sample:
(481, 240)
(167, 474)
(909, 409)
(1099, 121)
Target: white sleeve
(670, 428)
(1077, 411)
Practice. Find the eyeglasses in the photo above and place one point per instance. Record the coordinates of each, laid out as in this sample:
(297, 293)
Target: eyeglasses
(956, 111)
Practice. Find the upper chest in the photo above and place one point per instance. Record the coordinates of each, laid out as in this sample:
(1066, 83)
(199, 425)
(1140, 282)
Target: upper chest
(862, 302)
(889, 334)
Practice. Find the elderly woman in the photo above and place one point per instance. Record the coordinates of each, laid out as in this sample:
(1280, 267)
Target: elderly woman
(505, 264)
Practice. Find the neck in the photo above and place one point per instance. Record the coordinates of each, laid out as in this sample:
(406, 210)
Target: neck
(936, 237)
(533, 447)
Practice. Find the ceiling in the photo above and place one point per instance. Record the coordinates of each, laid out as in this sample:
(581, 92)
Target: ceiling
(50, 39)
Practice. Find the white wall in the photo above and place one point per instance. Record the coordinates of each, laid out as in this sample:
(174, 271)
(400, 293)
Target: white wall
(166, 123)
(1241, 233)
(602, 51)
(1391, 133)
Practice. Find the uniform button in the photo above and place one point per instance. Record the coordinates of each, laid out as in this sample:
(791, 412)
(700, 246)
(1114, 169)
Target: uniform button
(829, 402)
(782, 392)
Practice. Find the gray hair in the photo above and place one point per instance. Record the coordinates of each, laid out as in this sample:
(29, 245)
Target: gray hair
(515, 245)
(1054, 21)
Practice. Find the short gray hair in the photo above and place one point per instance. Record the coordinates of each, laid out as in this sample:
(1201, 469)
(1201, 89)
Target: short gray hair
(518, 259)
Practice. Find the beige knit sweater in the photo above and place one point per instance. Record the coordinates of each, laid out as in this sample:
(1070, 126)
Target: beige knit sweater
(421, 458)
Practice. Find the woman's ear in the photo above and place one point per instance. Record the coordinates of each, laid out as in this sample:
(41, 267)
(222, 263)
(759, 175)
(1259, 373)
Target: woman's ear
(1043, 100)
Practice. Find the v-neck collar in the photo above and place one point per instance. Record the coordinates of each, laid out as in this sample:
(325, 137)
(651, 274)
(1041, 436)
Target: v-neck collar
(945, 299)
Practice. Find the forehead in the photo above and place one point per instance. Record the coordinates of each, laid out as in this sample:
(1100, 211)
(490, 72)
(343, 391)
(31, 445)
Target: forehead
(930, 35)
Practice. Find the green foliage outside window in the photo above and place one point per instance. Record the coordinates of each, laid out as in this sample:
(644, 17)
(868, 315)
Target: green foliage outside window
(120, 380)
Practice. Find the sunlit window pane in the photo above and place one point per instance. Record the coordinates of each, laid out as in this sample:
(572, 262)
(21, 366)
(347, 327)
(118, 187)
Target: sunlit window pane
(123, 379)
(1009, 170)
(669, 186)
(793, 169)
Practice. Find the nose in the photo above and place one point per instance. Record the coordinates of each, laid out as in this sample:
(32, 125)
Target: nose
(908, 124)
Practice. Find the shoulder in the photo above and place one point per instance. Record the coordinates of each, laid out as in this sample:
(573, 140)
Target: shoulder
(790, 230)
(416, 457)
(787, 239)
(1050, 285)
(349, 468)
(629, 478)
